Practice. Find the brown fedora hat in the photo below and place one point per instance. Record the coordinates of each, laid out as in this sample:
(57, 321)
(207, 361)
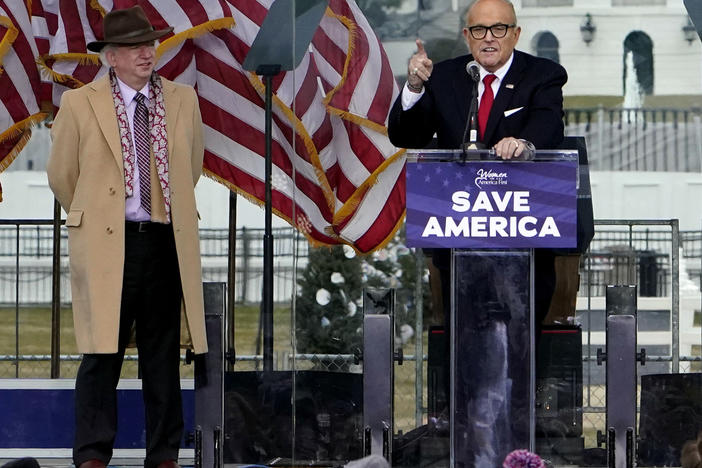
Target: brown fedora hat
(127, 26)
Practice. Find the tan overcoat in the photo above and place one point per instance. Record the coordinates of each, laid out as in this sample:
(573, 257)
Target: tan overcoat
(86, 174)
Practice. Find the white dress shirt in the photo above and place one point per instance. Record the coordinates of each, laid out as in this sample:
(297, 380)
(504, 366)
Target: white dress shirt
(410, 98)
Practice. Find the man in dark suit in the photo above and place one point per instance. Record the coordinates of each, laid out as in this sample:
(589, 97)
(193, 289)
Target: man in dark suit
(527, 111)
(528, 100)
(521, 108)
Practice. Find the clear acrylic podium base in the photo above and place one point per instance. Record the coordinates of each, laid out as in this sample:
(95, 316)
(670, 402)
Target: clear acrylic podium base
(492, 371)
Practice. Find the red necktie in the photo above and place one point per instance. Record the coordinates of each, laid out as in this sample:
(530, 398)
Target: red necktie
(485, 103)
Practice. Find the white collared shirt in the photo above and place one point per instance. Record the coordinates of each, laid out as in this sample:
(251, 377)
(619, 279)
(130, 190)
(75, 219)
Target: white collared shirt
(133, 209)
(410, 98)
(499, 73)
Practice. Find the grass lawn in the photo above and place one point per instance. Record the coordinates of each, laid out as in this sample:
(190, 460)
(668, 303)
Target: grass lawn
(35, 338)
(650, 102)
(34, 331)
(246, 325)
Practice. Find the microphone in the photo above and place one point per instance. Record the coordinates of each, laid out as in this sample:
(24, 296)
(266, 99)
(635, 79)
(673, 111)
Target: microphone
(473, 70)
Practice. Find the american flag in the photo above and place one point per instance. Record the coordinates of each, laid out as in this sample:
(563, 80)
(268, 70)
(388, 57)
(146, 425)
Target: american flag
(336, 177)
(19, 81)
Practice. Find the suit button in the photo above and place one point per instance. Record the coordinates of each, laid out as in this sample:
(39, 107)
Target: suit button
(112, 190)
(108, 229)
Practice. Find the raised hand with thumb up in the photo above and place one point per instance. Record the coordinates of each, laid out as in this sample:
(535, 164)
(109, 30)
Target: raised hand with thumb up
(419, 68)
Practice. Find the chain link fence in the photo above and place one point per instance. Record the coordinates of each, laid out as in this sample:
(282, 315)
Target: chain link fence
(628, 252)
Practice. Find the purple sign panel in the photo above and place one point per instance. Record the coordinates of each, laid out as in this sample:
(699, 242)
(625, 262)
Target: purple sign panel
(492, 204)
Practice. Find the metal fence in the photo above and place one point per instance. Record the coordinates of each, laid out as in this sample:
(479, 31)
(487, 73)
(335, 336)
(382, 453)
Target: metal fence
(645, 253)
(639, 255)
(639, 139)
(26, 249)
(34, 239)
(663, 139)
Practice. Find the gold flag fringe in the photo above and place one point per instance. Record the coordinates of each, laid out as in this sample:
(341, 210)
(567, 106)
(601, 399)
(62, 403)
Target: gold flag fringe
(355, 199)
(23, 128)
(82, 59)
(9, 37)
(344, 113)
(60, 78)
(234, 188)
(94, 59)
(353, 202)
(309, 143)
(194, 32)
(95, 5)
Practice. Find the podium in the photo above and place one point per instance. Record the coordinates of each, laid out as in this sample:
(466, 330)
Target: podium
(492, 214)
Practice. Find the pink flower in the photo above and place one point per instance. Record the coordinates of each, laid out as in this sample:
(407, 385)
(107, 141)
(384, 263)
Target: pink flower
(523, 459)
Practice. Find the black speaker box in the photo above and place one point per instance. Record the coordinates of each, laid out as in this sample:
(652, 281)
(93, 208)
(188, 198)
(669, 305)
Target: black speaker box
(437, 371)
(559, 393)
(671, 414)
(259, 419)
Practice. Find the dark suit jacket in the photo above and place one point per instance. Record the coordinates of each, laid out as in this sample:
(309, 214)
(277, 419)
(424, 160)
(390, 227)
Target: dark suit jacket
(532, 83)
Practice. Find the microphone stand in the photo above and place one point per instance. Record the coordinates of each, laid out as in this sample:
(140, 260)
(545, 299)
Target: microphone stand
(471, 129)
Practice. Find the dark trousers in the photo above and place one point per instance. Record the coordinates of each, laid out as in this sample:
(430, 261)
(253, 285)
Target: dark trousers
(151, 298)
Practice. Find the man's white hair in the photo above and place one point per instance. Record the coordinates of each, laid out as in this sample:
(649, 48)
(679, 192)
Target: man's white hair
(103, 52)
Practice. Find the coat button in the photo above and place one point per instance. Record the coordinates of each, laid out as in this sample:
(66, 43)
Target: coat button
(108, 229)
(112, 190)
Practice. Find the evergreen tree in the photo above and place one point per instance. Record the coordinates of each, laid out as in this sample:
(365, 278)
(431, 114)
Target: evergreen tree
(394, 266)
(329, 303)
(328, 306)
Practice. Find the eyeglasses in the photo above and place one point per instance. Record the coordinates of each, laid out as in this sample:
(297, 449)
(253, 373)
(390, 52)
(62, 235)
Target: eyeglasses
(498, 30)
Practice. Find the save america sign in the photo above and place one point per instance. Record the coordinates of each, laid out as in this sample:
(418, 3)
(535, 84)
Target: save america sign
(486, 204)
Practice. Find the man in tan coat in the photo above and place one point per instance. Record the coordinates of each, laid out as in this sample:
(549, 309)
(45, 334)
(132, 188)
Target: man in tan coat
(127, 151)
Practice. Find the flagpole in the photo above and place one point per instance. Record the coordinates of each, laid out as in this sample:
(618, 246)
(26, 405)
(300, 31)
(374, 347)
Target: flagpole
(270, 53)
(231, 281)
(268, 72)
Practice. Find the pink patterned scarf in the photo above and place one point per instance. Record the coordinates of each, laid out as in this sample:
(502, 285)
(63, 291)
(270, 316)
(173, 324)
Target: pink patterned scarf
(159, 137)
